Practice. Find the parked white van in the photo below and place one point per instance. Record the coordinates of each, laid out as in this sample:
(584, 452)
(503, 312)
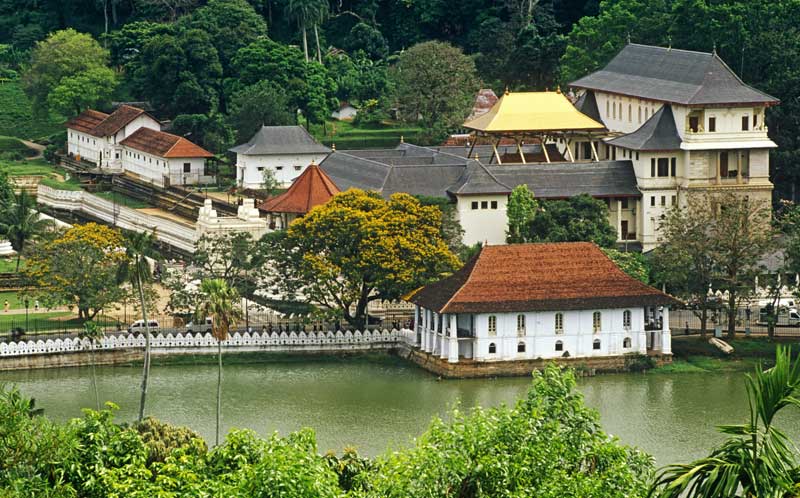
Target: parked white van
(138, 327)
(199, 327)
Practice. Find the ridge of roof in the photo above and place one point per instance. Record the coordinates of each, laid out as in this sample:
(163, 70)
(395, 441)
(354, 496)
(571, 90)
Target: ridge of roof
(281, 139)
(312, 188)
(659, 132)
(532, 111)
(163, 144)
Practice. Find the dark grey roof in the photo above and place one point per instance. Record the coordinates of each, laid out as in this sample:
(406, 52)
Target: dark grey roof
(477, 179)
(563, 180)
(587, 104)
(281, 140)
(672, 75)
(657, 133)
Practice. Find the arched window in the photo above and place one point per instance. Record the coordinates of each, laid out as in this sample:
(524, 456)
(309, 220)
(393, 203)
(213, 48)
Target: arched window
(492, 348)
(607, 113)
(614, 108)
(521, 347)
(559, 323)
(597, 321)
(630, 114)
(559, 346)
(596, 344)
(492, 325)
(626, 319)
(520, 324)
(640, 114)
(626, 343)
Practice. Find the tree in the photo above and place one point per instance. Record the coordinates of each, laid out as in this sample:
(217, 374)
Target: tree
(578, 219)
(436, 84)
(229, 257)
(19, 221)
(355, 249)
(261, 104)
(135, 269)
(209, 130)
(79, 268)
(64, 55)
(632, 263)
(92, 333)
(521, 210)
(548, 444)
(307, 13)
(757, 459)
(368, 39)
(91, 88)
(220, 303)
(716, 240)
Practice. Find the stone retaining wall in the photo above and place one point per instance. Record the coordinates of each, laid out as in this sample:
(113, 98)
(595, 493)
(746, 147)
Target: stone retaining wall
(466, 369)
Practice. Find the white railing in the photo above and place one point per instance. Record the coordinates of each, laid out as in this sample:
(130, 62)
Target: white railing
(199, 342)
(173, 233)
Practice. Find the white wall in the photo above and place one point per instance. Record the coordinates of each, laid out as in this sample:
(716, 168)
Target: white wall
(540, 336)
(484, 224)
(285, 167)
(84, 145)
(154, 168)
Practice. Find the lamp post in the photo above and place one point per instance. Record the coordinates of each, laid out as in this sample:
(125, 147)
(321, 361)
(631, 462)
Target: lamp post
(27, 303)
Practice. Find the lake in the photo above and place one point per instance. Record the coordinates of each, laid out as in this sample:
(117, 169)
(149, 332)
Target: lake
(376, 403)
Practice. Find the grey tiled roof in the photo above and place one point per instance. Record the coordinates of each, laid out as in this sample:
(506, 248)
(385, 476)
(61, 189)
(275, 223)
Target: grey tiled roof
(281, 140)
(657, 133)
(477, 179)
(587, 104)
(562, 180)
(672, 75)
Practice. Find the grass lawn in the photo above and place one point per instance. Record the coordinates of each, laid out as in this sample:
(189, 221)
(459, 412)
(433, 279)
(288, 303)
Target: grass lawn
(13, 144)
(53, 322)
(16, 115)
(14, 300)
(346, 135)
(34, 167)
(9, 265)
(123, 200)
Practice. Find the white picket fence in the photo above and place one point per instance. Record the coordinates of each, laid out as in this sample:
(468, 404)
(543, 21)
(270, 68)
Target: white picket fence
(200, 342)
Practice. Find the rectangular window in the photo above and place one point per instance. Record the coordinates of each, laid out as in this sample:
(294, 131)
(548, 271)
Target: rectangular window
(626, 319)
(474, 204)
(520, 324)
(297, 168)
(724, 170)
(484, 204)
(630, 114)
(673, 167)
(624, 203)
(640, 114)
(614, 108)
(663, 166)
(674, 199)
(652, 200)
(607, 104)
(637, 155)
(694, 123)
(712, 124)
(663, 200)
(559, 323)
(755, 121)
(279, 168)
(597, 321)
(653, 167)
(492, 325)
(745, 123)
(494, 204)
(187, 167)
(613, 153)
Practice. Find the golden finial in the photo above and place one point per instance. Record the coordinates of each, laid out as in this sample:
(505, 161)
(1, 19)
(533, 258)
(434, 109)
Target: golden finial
(558, 89)
(477, 158)
(402, 140)
(333, 146)
(506, 92)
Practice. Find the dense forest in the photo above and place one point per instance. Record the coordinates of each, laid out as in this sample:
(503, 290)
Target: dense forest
(218, 68)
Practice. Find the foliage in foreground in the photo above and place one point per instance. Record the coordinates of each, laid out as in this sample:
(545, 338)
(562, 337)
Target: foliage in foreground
(548, 444)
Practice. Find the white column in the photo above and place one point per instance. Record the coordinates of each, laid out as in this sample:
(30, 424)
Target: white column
(426, 342)
(452, 350)
(666, 334)
(443, 338)
(435, 328)
(619, 219)
(642, 333)
(417, 330)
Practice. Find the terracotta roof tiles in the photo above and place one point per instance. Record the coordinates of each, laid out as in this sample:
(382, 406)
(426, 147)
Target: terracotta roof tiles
(86, 121)
(162, 144)
(117, 120)
(312, 188)
(538, 277)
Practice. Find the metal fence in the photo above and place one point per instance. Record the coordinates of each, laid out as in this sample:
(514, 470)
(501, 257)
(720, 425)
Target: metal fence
(687, 322)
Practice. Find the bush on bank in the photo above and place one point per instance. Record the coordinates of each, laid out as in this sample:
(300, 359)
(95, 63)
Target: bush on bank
(548, 444)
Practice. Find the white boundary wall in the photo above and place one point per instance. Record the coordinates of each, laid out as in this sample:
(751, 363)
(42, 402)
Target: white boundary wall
(171, 232)
(206, 343)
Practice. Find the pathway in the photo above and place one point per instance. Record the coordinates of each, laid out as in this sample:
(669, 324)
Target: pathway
(39, 148)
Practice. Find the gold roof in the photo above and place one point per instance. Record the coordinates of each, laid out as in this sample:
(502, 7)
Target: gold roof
(533, 111)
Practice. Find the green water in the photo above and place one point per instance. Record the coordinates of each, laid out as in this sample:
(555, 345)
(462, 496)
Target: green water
(379, 404)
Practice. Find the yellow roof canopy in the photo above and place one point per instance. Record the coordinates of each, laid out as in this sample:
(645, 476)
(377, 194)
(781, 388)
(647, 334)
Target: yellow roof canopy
(533, 112)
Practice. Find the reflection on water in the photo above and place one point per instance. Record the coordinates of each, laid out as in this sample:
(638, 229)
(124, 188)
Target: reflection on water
(375, 405)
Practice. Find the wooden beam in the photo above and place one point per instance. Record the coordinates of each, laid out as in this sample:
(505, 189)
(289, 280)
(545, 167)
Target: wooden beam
(542, 139)
(496, 154)
(569, 149)
(594, 149)
(521, 154)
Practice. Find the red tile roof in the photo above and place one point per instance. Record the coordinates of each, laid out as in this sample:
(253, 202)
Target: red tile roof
(538, 277)
(310, 189)
(86, 121)
(123, 115)
(163, 144)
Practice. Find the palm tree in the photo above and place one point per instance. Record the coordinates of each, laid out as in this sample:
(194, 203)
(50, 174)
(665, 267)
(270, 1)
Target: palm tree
(758, 460)
(221, 304)
(93, 333)
(136, 270)
(307, 13)
(19, 221)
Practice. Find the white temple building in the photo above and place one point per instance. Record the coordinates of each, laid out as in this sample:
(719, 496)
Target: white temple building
(540, 301)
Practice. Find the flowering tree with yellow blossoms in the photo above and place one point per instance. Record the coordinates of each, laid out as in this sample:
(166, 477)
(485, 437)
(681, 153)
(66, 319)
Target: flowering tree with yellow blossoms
(357, 248)
(79, 268)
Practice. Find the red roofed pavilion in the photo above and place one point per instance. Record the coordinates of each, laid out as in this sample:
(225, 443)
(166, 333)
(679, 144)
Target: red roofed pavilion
(530, 301)
(312, 188)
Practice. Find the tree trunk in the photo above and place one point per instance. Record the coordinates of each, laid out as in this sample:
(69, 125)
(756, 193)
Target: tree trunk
(105, 18)
(731, 314)
(94, 374)
(704, 322)
(305, 43)
(319, 49)
(146, 368)
(19, 255)
(114, 17)
(219, 387)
